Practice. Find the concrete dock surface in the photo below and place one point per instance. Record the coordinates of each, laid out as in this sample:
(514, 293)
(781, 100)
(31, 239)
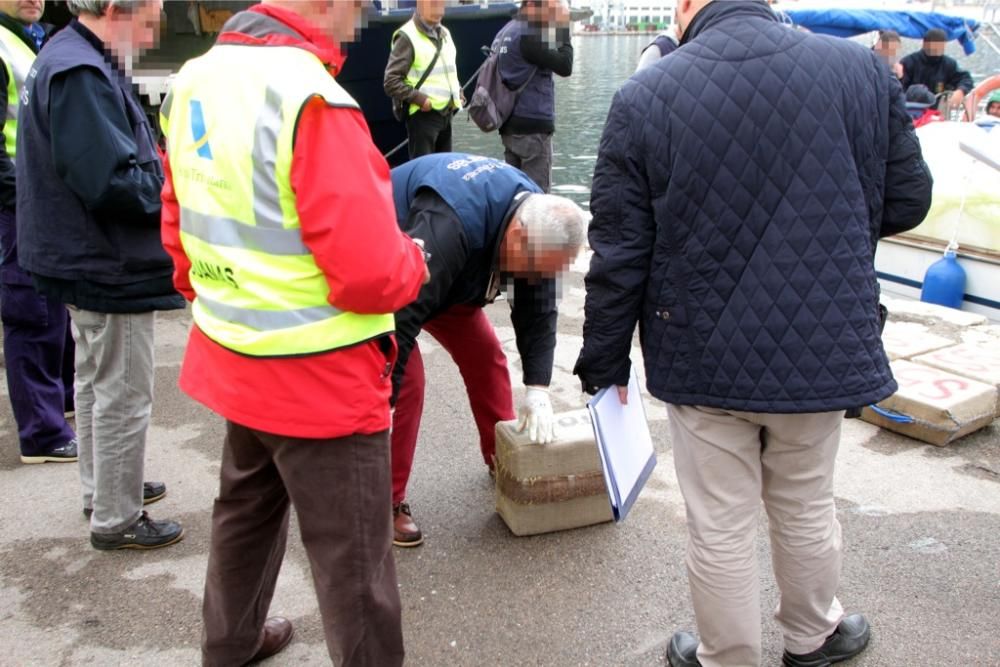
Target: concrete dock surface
(921, 528)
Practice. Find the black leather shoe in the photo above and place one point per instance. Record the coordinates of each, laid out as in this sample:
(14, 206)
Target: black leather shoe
(61, 454)
(682, 651)
(151, 492)
(143, 534)
(850, 638)
(278, 632)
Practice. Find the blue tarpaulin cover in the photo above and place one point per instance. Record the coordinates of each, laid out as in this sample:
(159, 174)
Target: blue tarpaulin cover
(851, 22)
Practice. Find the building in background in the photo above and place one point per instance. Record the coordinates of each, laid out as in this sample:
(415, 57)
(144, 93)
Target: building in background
(632, 15)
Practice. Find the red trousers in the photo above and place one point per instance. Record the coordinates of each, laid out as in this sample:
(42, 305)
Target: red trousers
(466, 333)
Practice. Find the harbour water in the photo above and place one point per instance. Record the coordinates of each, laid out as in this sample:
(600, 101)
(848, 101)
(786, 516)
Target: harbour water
(602, 63)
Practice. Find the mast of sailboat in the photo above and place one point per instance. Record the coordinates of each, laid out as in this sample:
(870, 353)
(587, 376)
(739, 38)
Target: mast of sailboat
(996, 31)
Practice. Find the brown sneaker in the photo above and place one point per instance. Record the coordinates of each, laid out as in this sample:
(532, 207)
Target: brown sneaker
(405, 532)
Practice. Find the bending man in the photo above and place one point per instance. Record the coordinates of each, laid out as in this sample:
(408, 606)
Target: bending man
(481, 221)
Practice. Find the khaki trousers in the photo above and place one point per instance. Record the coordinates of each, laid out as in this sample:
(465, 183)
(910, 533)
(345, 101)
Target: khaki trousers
(340, 490)
(727, 462)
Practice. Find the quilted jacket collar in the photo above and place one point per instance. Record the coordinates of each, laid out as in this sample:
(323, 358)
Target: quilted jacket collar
(723, 10)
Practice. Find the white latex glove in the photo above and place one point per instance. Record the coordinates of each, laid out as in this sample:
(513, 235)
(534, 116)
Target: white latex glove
(536, 415)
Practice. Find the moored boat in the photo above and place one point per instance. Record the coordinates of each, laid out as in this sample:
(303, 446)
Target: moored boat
(965, 209)
(965, 205)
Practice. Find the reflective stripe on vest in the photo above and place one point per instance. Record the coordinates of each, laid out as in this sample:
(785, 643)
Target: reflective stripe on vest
(17, 59)
(230, 140)
(441, 85)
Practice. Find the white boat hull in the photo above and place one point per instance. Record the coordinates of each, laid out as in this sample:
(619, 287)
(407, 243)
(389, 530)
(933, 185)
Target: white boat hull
(901, 263)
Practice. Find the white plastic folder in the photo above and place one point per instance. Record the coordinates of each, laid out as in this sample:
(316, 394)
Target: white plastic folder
(624, 443)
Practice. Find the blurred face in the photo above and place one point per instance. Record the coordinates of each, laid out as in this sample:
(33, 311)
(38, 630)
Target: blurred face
(25, 11)
(517, 258)
(133, 32)
(993, 109)
(887, 50)
(547, 12)
(934, 48)
(430, 11)
(339, 20)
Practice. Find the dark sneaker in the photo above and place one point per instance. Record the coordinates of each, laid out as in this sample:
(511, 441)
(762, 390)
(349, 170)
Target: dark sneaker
(849, 639)
(151, 492)
(405, 532)
(682, 651)
(143, 534)
(62, 454)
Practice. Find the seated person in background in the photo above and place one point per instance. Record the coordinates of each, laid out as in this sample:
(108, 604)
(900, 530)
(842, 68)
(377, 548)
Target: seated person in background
(993, 105)
(940, 73)
(887, 48)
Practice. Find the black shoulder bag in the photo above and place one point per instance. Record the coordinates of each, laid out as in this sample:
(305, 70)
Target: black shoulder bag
(398, 106)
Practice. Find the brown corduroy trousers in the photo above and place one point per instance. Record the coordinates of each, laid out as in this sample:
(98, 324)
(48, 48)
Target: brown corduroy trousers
(340, 489)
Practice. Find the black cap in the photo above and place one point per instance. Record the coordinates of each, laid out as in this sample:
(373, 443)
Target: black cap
(935, 35)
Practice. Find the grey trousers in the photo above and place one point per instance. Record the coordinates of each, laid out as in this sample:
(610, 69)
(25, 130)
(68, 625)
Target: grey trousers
(114, 399)
(532, 154)
(340, 489)
(726, 463)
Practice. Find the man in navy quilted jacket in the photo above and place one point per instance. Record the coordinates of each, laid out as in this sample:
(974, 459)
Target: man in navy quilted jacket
(740, 189)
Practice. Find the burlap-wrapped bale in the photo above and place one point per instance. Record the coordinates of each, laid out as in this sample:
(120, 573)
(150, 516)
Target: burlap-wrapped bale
(558, 486)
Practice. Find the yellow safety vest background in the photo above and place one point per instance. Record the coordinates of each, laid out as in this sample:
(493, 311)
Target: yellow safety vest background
(441, 86)
(17, 60)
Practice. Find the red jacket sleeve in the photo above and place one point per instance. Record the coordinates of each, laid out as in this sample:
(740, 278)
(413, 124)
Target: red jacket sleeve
(170, 232)
(344, 198)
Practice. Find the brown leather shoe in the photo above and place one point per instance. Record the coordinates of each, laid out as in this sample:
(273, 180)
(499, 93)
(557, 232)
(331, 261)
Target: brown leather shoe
(278, 632)
(405, 532)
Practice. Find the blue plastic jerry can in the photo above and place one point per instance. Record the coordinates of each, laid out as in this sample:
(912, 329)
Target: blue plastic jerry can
(944, 282)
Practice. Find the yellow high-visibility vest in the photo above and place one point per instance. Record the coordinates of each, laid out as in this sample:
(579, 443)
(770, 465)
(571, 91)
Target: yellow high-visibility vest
(17, 60)
(441, 85)
(230, 139)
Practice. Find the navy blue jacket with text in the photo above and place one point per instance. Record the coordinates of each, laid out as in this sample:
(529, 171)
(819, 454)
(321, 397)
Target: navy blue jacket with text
(741, 186)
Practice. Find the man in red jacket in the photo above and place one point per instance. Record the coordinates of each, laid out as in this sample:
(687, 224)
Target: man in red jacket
(285, 239)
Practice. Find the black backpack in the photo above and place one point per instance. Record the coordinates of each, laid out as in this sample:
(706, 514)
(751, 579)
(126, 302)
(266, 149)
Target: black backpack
(492, 102)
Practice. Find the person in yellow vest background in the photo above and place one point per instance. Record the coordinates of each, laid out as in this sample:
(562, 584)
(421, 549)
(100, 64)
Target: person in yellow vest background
(278, 214)
(422, 76)
(38, 346)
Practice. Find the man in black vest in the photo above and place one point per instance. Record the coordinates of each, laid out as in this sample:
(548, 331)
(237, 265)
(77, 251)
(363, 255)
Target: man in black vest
(88, 227)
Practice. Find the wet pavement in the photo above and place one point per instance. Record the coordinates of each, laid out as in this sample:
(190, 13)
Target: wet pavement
(921, 532)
